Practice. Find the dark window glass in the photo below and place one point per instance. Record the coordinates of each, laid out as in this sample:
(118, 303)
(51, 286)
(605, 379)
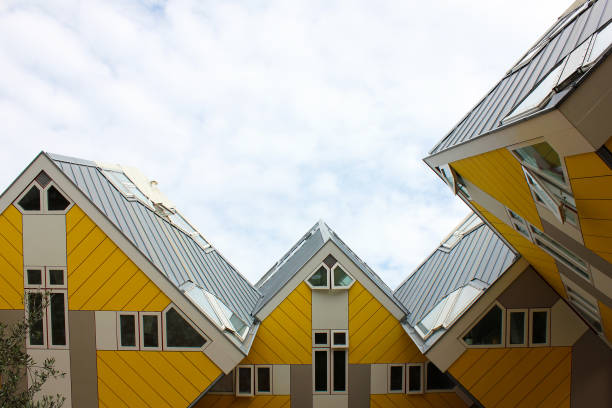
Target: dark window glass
(319, 278)
(150, 334)
(414, 378)
(244, 380)
(396, 381)
(58, 319)
(437, 380)
(127, 324)
(339, 338)
(34, 277)
(339, 370)
(488, 330)
(36, 324)
(55, 200)
(320, 338)
(263, 379)
(56, 277)
(320, 370)
(179, 333)
(225, 384)
(517, 327)
(31, 200)
(539, 332)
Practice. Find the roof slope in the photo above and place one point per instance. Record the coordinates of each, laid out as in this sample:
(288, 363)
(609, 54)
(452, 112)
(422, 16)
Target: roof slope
(480, 254)
(486, 116)
(172, 251)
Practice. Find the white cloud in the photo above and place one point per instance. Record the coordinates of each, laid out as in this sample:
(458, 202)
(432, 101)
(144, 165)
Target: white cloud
(260, 118)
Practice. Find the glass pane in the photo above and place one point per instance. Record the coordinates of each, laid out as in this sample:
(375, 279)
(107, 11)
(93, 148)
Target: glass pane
(127, 325)
(55, 200)
(602, 42)
(179, 221)
(58, 319)
(339, 370)
(225, 384)
(341, 278)
(437, 380)
(320, 362)
(539, 330)
(319, 278)
(397, 378)
(237, 324)
(428, 323)
(263, 379)
(31, 200)
(179, 333)
(36, 319)
(197, 295)
(150, 333)
(244, 380)
(537, 95)
(320, 338)
(56, 277)
(34, 277)
(116, 178)
(414, 378)
(339, 338)
(466, 296)
(542, 157)
(517, 327)
(488, 330)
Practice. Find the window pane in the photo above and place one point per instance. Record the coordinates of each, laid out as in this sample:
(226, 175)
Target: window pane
(56, 277)
(263, 379)
(602, 41)
(543, 157)
(244, 380)
(31, 201)
(225, 384)
(341, 278)
(55, 200)
(396, 380)
(58, 320)
(517, 327)
(127, 325)
(437, 380)
(538, 94)
(179, 332)
(319, 278)
(320, 368)
(414, 378)
(150, 333)
(539, 333)
(340, 370)
(320, 338)
(36, 323)
(339, 338)
(34, 277)
(488, 330)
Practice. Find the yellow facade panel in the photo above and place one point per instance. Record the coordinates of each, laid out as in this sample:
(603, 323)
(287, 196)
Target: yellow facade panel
(13, 216)
(593, 188)
(586, 165)
(606, 320)
(73, 217)
(229, 401)
(427, 400)
(597, 228)
(11, 259)
(594, 209)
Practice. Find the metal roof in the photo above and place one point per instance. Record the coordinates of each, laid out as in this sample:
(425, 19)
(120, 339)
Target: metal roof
(170, 249)
(480, 255)
(486, 116)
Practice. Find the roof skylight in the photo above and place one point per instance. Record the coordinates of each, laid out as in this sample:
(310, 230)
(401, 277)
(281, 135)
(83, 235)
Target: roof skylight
(468, 225)
(125, 185)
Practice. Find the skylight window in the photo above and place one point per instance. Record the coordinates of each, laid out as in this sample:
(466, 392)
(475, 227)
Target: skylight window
(179, 221)
(600, 43)
(468, 225)
(125, 185)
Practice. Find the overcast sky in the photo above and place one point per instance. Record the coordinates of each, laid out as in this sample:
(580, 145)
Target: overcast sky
(258, 118)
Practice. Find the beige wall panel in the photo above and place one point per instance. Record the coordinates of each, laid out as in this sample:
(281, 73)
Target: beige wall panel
(301, 386)
(565, 325)
(330, 401)
(378, 379)
(44, 239)
(485, 200)
(281, 379)
(83, 370)
(359, 385)
(443, 357)
(601, 281)
(106, 330)
(550, 218)
(330, 310)
(62, 363)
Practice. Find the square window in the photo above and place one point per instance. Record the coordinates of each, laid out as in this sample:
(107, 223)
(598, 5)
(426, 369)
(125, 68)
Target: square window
(56, 277)
(320, 338)
(34, 277)
(339, 338)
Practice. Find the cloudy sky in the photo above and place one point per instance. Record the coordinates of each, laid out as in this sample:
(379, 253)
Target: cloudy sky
(258, 118)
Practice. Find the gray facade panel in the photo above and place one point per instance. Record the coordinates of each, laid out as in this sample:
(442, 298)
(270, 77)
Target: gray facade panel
(359, 385)
(83, 368)
(301, 386)
(591, 373)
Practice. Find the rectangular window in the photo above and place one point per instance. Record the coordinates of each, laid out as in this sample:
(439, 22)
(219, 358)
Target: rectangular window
(414, 381)
(34, 277)
(320, 371)
(263, 379)
(37, 335)
(58, 308)
(127, 330)
(396, 378)
(539, 327)
(517, 328)
(586, 307)
(339, 370)
(56, 277)
(244, 381)
(150, 330)
(559, 252)
(437, 380)
(320, 338)
(339, 338)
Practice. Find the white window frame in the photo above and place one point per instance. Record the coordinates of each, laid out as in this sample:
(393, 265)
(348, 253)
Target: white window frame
(525, 342)
(407, 375)
(584, 302)
(128, 195)
(339, 346)
(237, 378)
(516, 219)
(256, 388)
(332, 371)
(326, 350)
(48, 277)
(476, 321)
(43, 274)
(547, 343)
(315, 345)
(389, 390)
(43, 318)
(328, 286)
(331, 277)
(190, 322)
(49, 325)
(141, 330)
(136, 331)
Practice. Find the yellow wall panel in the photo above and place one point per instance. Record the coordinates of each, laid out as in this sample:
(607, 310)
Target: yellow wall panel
(427, 400)
(229, 401)
(500, 175)
(11, 259)
(516, 377)
(606, 320)
(101, 276)
(284, 336)
(152, 378)
(375, 336)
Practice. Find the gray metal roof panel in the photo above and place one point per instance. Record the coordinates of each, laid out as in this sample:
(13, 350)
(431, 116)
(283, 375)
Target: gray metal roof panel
(486, 116)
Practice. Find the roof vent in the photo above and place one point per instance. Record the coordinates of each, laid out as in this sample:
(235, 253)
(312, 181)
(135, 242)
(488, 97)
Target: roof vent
(43, 179)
